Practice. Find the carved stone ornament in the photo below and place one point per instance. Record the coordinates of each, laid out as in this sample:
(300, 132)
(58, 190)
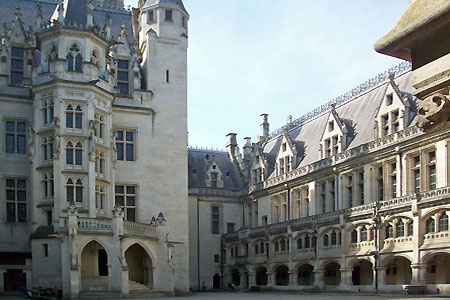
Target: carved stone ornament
(117, 211)
(72, 210)
(434, 113)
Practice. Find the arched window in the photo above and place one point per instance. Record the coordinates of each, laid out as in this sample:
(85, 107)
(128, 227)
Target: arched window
(262, 247)
(74, 190)
(74, 154)
(256, 249)
(277, 247)
(47, 148)
(48, 185)
(74, 59)
(307, 243)
(364, 234)
(443, 222)
(325, 240)
(354, 236)
(430, 225)
(283, 245)
(299, 243)
(400, 229)
(410, 229)
(72, 114)
(389, 231)
(100, 162)
(333, 238)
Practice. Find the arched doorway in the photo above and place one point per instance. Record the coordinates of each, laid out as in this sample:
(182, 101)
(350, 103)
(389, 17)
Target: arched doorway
(261, 276)
(398, 271)
(332, 274)
(139, 267)
(216, 281)
(282, 275)
(94, 267)
(438, 269)
(305, 275)
(236, 277)
(362, 273)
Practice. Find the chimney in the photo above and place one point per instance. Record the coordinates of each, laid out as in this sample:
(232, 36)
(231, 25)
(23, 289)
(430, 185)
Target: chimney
(264, 135)
(247, 148)
(232, 146)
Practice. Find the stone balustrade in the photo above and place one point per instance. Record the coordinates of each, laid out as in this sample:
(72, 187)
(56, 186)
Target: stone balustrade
(94, 224)
(428, 237)
(141, 229)
(360, 245)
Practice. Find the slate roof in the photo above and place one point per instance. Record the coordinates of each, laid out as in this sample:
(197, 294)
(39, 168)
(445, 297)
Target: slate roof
(358, 115)
(42, 232)
(173, 3)
(27, 9)
(198, 164)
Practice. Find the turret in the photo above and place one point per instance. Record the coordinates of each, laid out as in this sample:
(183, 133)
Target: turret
(264, 135)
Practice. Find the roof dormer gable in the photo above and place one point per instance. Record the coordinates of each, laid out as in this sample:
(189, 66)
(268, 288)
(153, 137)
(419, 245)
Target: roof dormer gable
(286, 159)
(258, 167)
(393, 113)
(213, 174)
(17, 33)
(334, 135)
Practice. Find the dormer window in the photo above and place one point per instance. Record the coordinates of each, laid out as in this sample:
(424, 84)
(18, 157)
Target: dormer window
(168, 15)
(389, 99)
(74, 59)
(284, 147)
(150, 16)
(122, 76)
(214, 167)
(17, 55)
(213, 179)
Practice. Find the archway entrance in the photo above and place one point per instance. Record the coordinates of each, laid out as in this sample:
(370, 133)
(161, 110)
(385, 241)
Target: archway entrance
(305, 275)
(398, 271)
(235, 277)
(94, 268)
(261, 276)
(332, 274)
(282, 275)
(362, 273)
(438, 270)
(216, 281)
(139, 267)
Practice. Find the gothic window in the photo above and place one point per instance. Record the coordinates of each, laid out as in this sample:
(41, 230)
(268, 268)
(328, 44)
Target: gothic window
(307, 242)
(389, 231)
(74, 59)
(99, 125)
(333, 238)
(74, 113)
(74, 190)
(100, 196)
(299, 243)
(47, 148)
(125, 141)
(74, 153)
(443, 222)
(364, 234)
(17, 65)
(350, 190)
(48, 185)
(16, 200)
(354, 236)
(400, 229)
(256, 249)
(410, 229)
(277, 247)
(122, 76)
(47, 111)
(429, 226)
(325, 240)
(361, 187)
(282, 245)
(15, 137)
(100, 162)
(126, 198)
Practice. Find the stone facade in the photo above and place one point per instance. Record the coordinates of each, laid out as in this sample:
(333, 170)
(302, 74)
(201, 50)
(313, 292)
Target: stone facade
(93, 96)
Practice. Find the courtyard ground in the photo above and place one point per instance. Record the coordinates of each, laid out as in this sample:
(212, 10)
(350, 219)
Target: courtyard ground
(278, 296)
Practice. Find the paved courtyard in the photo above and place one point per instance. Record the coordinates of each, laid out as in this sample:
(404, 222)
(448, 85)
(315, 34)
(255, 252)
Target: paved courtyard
(280, 296)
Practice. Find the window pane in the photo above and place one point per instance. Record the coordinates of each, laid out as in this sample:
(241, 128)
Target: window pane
(79, 191)
(21, 195)
(69, 120)
(10, 195)
(122, 64)
(130, 136)
(69, 58)
(70, 194)
(78, 157)
(130, 152)
(17, 52)
(69, 156)
(22, 212)
(21, 127)
(10, 143)
(10, 212)
(78, 119)
(78, 61)
(122, 76)
(131, 190)
(119, 135)
(16, 78)
(119, 200)
(17, 64)
(10, 183)
(21, 144)
(131, 201)
(119, 151)
(119, 189)
(131, 214)
(123, 88)
(10, 126)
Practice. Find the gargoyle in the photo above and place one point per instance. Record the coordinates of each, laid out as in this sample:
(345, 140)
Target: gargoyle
(434, 113)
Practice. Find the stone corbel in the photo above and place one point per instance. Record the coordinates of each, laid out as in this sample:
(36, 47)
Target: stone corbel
(434, 113)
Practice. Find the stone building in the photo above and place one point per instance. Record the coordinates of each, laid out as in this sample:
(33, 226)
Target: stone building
(92, 96)
(353, 196)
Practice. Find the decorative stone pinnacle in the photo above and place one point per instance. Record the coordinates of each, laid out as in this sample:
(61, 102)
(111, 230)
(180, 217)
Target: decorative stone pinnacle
(17, 13)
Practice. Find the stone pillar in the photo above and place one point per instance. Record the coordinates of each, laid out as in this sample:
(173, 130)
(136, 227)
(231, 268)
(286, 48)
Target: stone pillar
(271, 279)
(125, 281)
(251, 279)
(319, 278)
(243, 284)
(346, 278)
(293, 276)
(418, 274)
(381, 276)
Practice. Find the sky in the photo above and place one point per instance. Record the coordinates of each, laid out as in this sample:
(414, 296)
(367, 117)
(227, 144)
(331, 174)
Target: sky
(285, 57)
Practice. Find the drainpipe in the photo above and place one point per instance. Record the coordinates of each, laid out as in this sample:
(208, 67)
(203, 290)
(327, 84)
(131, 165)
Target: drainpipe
(198, 246)
(288, 204)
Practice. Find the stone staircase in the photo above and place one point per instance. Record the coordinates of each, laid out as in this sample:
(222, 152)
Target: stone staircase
(137, 290)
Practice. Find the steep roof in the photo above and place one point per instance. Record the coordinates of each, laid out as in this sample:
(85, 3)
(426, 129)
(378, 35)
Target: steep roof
(172, 3)
(27, 9)
(359, 115)
(198, 163)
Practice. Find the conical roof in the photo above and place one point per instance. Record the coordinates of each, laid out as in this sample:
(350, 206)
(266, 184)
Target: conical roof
(173, 3)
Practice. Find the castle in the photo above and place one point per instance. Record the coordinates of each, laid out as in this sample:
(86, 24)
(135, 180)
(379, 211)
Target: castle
(100, 193)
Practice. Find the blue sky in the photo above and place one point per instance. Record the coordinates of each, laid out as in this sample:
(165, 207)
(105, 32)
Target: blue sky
(285, 57)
